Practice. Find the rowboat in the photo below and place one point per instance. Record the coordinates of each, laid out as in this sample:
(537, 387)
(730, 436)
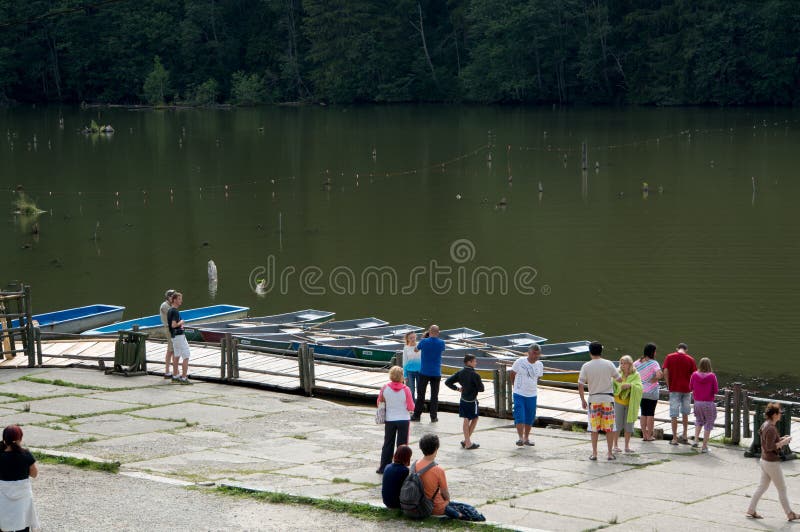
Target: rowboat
(75, 320)
(460, 333)
(152, 324)
(385, 331)
(566, 351)
(358, 323)
(214, 331)
(516, 340)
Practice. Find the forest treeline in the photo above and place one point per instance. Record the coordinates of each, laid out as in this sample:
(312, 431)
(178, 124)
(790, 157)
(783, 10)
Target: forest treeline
(653, 52)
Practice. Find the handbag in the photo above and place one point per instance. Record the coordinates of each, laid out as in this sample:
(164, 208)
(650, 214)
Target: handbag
(380, 413)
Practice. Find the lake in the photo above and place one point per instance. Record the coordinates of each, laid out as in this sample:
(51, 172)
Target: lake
(683, 227)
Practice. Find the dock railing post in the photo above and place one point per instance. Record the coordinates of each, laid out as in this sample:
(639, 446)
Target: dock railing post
(222, 358)
(302, 366)
(746, 415)
(228, 356)
(497, 394)
(737, 413)
(312, 371)
(509, 396)
(786, 421)
(728, 431)
(39, 346)
(235, 358)
(29, 337)
(502, 377)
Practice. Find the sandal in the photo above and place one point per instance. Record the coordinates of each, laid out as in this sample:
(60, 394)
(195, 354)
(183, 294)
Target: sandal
(520, 443)
(462, 444)
(755, 515)
(611, 457)
(673, 442)
(648, 439)
(472, 447)
(617, 450)
(792, 516)
(593, 457)
(529, 443)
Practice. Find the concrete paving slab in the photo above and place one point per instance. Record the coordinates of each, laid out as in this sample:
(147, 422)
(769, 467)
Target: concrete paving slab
(195, 413)
(208, 464)
(76, 406)
(46, 437)
(672, 486)
(289, 450)
(667, 523)
(259, 404)
(155, 396)
(293, 485)
(360, 470)
(367, 495)
(98, 378)
(729, 510)
(605, 506)
(128, 449)
(7, 399)
(12, 374)
(24, 418)
(120, 425)
(511, 516)
(39, 390)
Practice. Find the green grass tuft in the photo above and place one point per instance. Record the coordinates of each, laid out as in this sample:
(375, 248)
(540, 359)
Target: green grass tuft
(82, 463)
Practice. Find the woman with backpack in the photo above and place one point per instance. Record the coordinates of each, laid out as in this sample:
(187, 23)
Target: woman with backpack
(399, 405)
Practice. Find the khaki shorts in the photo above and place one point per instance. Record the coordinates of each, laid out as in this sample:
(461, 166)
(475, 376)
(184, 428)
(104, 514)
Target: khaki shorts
(169, 339)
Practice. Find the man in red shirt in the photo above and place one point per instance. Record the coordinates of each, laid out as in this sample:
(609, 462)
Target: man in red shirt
(678, 369)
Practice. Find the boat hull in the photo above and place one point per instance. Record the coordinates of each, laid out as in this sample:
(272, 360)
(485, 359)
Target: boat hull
(79, 319)
(152, 324)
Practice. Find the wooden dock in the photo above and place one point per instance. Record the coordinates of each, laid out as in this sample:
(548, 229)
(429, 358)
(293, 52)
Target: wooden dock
(282, 373)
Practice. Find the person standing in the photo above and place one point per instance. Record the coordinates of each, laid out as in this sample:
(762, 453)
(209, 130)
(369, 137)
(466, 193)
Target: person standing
(627, 397)
(650, 372)
(704, 386)
(430, 371)
(525, 374)
(163, 310)
(678, 369)
(770, 463)
(411, 362)
(179, 342)
(469, 384)
(17, 467)
(599, 375)
(399, 403)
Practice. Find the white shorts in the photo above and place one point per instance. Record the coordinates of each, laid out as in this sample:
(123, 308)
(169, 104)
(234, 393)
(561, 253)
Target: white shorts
(180, 346)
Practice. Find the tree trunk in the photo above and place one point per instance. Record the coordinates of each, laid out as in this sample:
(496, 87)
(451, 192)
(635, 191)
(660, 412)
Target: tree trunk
(421, 30)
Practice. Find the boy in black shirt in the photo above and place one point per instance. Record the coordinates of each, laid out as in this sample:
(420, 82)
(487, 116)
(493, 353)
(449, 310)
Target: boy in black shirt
(179, 343)
(470, 384)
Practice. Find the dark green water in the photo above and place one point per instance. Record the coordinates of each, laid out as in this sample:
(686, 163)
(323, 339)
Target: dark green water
(704, 259)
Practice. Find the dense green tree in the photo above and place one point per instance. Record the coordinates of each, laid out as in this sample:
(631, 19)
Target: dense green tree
(156, 84)
(662, 52)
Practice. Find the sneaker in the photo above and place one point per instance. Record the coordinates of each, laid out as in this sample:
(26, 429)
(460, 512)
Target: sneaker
(704, 450)
(167, 375)
(520, 443)
(184, 380)
(434, 420)
(414, 418)
(175, 378)
(529, 443)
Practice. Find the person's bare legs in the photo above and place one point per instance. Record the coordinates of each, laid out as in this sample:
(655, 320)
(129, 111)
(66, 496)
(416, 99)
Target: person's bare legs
(615, 439)
(686, 427)
(610, 447)
(168, 361)
(674, 430)
(185, 367)
(467, 433)
(527, 433)
(628, 442)
(595, 435)
(706, 435)
(175, 361)
(472, 424)
(521, 431)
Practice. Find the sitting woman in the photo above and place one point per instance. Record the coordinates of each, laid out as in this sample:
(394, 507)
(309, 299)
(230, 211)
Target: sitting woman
(394, 475)
(17, 466)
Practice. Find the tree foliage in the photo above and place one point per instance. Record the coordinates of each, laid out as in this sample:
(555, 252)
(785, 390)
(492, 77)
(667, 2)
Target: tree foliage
(663, 52)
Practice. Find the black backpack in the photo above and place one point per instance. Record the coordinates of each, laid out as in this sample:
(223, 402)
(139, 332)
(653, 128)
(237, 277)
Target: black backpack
(413, 501)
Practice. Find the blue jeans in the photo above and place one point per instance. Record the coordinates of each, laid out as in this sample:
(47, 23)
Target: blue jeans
(412, 382)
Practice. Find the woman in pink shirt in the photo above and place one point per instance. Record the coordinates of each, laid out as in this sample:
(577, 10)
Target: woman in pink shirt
(704, 386)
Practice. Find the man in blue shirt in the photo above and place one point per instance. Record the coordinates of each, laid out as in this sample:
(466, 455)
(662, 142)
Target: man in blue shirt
(431, 350)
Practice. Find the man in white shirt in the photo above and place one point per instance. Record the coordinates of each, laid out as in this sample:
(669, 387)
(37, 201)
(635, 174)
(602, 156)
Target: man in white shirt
(599, 375)
(525, 374)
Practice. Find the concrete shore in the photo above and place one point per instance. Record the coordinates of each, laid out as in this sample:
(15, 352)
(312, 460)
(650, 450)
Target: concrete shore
(180, 436)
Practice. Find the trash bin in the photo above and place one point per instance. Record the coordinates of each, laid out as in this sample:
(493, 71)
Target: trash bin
(130, 354)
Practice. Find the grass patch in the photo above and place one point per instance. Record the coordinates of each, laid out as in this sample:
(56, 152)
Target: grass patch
(80, 441)
(721, 439)
(81, 463)
(66, 384)
(18, 397)
(354, 509)
(299, 436)
(578, 428)
(339, 480)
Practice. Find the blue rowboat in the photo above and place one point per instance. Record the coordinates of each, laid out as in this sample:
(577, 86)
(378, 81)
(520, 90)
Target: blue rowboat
(460, 333)
(358, 323)
(75, 320)
(152, 324)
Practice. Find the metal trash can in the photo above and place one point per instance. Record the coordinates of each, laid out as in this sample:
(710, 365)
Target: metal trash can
(130, 354)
